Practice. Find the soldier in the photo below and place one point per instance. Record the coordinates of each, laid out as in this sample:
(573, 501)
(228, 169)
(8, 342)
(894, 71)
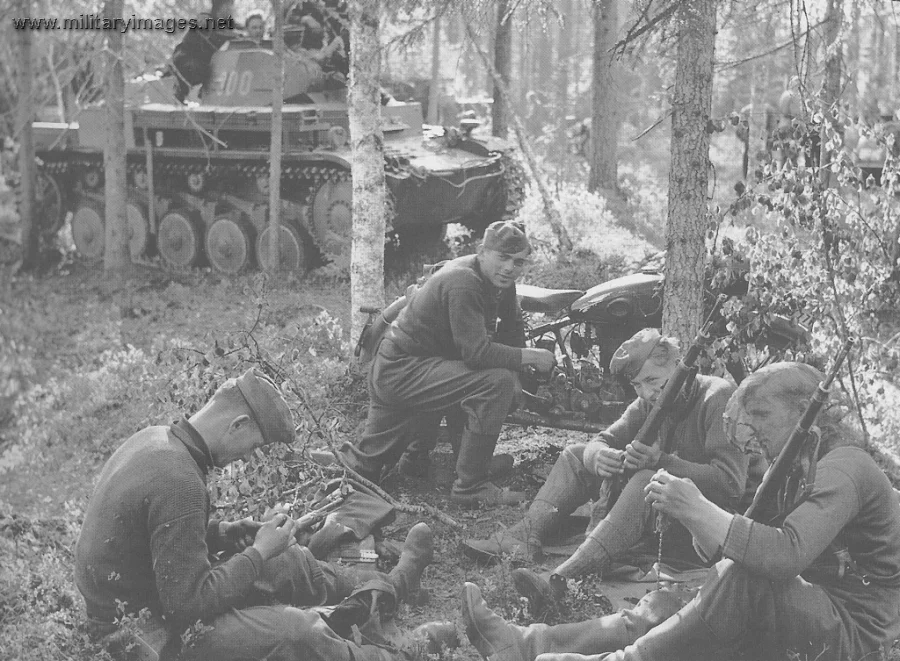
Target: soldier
(192, 56)
(458, 342)
(147, 543)
(701, 453)
(820, 580)
(255, 26)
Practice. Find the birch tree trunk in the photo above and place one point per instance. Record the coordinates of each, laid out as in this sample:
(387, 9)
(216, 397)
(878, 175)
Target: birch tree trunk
(688, 214)
(605, 101)
(274, 247)
(24, 117)
(367, 169)
(503, 65)
(116, 255)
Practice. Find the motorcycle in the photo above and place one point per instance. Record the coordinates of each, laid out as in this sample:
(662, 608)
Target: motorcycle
(580, 394)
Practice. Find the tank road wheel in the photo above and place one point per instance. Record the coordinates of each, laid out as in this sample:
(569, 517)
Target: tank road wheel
(138, 228)
(50, 209)
(88, 229)
(228, 245)
(331, 220)
(292, 246)
(179, 238)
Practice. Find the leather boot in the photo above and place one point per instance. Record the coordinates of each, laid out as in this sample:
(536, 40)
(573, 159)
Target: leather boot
(418, 552)
(473, 486)
(542, 592)
(525, 538)
(489, 633)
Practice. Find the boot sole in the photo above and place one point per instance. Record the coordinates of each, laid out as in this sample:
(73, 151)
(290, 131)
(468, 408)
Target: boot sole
(537, 592)
(480, 554)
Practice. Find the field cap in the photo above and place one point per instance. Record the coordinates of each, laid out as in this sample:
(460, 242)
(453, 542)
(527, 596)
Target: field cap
(629, 358)
(269, 410)
(507, 237)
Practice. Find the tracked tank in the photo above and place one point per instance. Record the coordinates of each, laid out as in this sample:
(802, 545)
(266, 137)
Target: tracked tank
(198, 173)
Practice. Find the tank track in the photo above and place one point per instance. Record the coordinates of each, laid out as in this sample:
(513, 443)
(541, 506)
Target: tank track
(300, 182)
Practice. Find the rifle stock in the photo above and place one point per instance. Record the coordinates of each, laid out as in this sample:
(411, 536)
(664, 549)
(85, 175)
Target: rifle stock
(780, 470)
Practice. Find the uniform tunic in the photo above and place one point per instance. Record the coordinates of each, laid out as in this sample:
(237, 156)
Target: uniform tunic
(454, 344)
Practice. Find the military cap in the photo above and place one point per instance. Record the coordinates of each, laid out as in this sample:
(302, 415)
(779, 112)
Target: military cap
(630, 357)
(507, 237)
(267, 407)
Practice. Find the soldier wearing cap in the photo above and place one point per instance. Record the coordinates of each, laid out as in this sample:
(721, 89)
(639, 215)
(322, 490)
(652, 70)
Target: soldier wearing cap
(148, 542)
(647, 361)
(459, 342)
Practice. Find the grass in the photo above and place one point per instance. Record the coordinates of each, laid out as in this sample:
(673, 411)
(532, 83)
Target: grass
(88, 363)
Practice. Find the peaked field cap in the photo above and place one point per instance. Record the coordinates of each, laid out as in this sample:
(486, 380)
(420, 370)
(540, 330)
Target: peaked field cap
(504, 236)
(630, 357)
(270, 412)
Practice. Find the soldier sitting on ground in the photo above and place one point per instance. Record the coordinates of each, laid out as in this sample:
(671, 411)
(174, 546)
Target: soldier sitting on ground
(148, 542)
(700, 452)
(820, 580)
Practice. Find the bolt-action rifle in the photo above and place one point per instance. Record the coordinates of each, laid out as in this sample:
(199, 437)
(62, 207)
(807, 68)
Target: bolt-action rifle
(780, 471)
(648, 434)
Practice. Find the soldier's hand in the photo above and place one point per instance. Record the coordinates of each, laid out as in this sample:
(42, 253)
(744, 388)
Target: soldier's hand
(602, 460)
(639, 456)
(541, 359)
(673, 496)
(275, 536)
(238, 535)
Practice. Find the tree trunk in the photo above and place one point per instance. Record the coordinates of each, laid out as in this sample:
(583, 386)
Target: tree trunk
(757, 124)
(605, 100)
(563, 62)
(274, 247)
(367, 169)
(116, 255)
(503, 65)
(831, 85)
(688, 215)
(853, 58)
(554, 217)
(25, 115)
(435, 89)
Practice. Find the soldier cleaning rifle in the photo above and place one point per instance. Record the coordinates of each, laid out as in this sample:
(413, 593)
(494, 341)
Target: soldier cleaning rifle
(698, 450)
(814, 569)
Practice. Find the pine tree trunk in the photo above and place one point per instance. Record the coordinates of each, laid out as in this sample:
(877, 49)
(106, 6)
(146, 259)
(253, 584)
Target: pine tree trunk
(367, 169)
(25, 115)
(434, 90)
(605, 101)
(274, 247)
(116, 255)
(503, 64)
(561, 75)
(688, 214)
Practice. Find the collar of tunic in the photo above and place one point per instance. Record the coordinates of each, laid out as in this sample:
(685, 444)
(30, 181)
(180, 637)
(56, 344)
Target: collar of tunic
(185, 432)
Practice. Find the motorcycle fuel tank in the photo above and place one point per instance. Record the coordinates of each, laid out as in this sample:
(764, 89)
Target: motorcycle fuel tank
(632, 300)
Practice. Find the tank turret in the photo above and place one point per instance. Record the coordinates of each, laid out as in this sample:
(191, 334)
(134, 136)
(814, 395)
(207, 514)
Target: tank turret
(198, 173)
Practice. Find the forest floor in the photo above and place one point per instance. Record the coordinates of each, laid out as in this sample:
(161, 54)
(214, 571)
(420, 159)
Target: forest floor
(68, 324)
(74, 322)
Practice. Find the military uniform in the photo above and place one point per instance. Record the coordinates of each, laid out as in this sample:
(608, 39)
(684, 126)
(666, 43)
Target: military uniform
(454, 344)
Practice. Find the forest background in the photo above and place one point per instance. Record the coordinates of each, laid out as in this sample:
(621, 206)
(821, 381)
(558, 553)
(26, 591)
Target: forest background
(86, 360)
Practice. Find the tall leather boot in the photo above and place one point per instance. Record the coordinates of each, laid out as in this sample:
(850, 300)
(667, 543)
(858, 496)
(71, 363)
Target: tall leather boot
(524, 538)
(418, 552)
(493, 636)
(473, 486)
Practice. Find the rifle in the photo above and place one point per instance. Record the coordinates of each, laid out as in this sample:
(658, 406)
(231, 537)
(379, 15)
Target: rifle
(649, 431)
(780, 470)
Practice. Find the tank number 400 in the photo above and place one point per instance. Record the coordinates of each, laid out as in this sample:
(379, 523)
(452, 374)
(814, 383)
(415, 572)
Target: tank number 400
(229, 82)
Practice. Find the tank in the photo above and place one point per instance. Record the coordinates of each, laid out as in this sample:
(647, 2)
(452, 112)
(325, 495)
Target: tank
(198, 173)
